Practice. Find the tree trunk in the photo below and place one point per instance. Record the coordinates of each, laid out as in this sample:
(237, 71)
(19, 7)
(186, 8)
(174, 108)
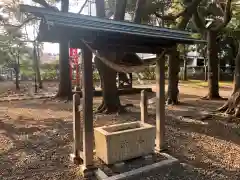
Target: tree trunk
(111, 102)
(213, 87)
(17, 76)
(205, 70)
(65, 84)
(174, 66)
(173, 70)
(17, 70)
(232, 106)
(185, 70)
(139, 11)
(119, 15)
(236, 84)
(185, 65)
(11, 75)
(36, 67)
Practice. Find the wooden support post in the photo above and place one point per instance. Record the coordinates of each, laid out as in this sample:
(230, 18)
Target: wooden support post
(160, 106)
(219, 71)
(143, 106)
(131, 80)
(87, 92)
(75, 157)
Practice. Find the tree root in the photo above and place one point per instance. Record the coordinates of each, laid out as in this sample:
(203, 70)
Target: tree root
(101, 107)
(60, 98)
(232, 106)
(172, 102)
(105, 109)
(213, 98)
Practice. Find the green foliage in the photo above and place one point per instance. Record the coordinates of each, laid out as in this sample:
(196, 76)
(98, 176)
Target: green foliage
(49, 75)
(26, 67)
(151, 7)
(229, 37)
(233, 28)
(96, 76)
(149, 73)
(12, 46)
(196, 35)
(49, 66)
(49, 71)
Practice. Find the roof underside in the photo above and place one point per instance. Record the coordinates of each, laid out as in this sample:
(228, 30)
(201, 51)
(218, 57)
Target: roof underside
(106, 34)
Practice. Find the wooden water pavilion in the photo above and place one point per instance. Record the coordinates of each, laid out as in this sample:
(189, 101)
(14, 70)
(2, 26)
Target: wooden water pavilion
(107, 35)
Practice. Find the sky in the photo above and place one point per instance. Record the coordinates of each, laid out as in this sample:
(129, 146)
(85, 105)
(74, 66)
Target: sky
(54, 48)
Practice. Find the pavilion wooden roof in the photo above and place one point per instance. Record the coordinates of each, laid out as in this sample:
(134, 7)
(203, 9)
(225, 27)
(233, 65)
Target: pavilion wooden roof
(104, 33)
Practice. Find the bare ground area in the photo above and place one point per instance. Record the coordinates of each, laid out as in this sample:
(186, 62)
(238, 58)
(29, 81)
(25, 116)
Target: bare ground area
(36, 138)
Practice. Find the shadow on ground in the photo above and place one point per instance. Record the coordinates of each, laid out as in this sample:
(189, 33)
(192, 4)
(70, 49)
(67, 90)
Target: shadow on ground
(211, 145)
(38, 148)
(35, 151)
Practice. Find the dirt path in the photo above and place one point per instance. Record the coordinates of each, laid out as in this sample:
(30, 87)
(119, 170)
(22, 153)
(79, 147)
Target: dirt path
(36, 139)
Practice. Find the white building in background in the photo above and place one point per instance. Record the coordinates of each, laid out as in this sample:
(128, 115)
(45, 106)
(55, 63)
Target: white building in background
(49, 58)
(145, 56)
(194, 59)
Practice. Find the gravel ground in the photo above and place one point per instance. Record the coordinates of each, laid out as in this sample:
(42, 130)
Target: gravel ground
(182, 172)
(36, 151)
(36, 140)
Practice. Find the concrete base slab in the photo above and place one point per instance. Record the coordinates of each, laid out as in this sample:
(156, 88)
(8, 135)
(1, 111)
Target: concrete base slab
(136, 172)
(87, 172)
(100, 174)
(148, 157)
(160, 150)
(117, 165)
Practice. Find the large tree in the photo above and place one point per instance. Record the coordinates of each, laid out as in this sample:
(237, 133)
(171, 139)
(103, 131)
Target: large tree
(232, 105)
(65, 84)
(36, 64)
(111, 102)
(174, 60)
(12, 39)
(207, 21)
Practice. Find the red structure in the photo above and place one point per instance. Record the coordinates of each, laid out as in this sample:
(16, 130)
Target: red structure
(73, 62)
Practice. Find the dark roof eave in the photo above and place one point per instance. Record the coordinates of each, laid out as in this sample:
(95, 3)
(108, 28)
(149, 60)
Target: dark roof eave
(79, 26)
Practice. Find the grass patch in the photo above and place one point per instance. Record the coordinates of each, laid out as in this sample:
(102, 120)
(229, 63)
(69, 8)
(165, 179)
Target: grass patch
(199, 83)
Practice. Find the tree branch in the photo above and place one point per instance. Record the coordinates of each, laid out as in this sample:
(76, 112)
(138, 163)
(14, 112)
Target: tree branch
(220, 7)
(227, 16)
(26, 21)
(83, 6)
(16, 28)
(120, 8)
(198, 22)
(64, 5)
(109, 14)
(100, 8)
(140, 4)
(188, 11)
(45, 4)
(1, 18)
(169, 17)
